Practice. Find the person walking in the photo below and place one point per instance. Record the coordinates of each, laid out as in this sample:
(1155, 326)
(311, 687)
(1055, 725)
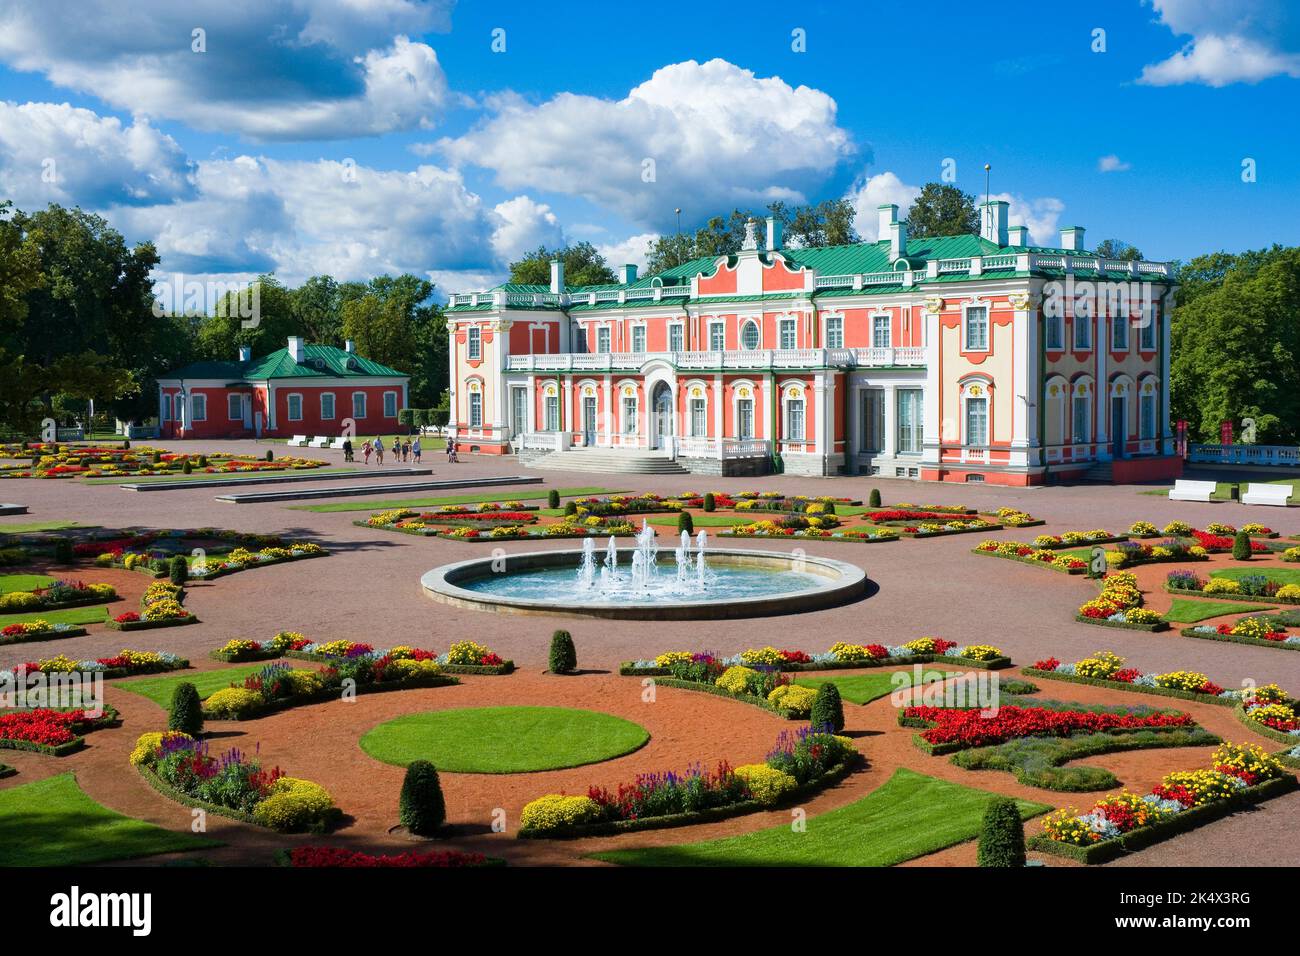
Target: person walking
(451, 450)
(347, 449)
(379, 451)
(415, 449)
(406, 450)
(365, 450)
(397, 449)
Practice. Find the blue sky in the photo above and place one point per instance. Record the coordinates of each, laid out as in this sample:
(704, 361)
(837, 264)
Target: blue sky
(365, 136)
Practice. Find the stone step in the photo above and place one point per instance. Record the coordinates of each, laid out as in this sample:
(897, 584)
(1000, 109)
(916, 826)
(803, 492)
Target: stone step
(605, 461)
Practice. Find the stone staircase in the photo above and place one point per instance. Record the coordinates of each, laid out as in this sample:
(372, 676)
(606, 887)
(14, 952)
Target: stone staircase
(610, 461)
(1102, 471)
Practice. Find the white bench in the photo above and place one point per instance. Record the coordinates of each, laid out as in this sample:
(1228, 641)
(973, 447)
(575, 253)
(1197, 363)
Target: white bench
(337, 443)
(320, 441)
(298, 440)
(1185, 490)
(1265, 494)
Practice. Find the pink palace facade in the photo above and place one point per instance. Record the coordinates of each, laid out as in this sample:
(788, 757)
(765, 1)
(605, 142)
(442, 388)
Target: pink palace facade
(956, 358)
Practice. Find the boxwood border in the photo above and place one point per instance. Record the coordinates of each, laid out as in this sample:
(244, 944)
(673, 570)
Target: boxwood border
(1240, 713)
(50, 635)
(627, 668)
(1031, 562)
(841, 539)
(505, 667)
(1124, 625)
(331, 819)
(1257, 598)
(113, 625)
(1238, 639)
(332, 693)
(1174, 692)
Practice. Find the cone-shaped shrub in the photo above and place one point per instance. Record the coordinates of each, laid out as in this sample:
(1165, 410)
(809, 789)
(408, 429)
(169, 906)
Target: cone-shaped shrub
(827, 709)
(570, 509)
(1241, 547)
(710, 502)
(553, 498)
(186, 467)
(874, 500)
(564, 656)
(178, 569)
(185, 713)
(420, 808)
(1002, 835)
(685, 522)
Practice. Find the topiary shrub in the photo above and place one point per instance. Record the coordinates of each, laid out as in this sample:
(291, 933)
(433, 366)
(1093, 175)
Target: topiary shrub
(827, 710)
(874, 499)
(178, 569)
(186, 712)
(421, 808)
(709, 501)
(570, 509)
(553, 498)
(1241, 547)
(126, 444)
(157, 458)
(270, 455)
(564, 656)
(203, 461)
(1002, 835)
(186, 467)
(63, 551)
(685, 522)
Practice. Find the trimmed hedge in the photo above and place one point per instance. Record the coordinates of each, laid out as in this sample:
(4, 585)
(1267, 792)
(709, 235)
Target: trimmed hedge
(628, 668)
(1237, 639)
(49, 635)
(1031, 562)
(113, 625)
(333, 693)
(1263, 730)
(505, 667)
(840, 539)
(1146, 836)
(109, 718)
(1258, 598)
(332, 817)
(1125, 625)
(1136, 688)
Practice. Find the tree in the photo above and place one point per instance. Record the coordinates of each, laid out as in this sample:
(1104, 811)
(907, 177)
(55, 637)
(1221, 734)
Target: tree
(942, 210)
(828, 223)
(583, 265)
(1002, 835)
(420, 806)
(1241, 546)
(316, 306)
(186, 712)
(563, 658)
(1118, 249)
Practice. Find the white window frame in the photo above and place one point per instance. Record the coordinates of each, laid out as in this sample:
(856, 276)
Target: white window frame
(475, 409)
(676, 337)
(235, 406)
(1077, 402)
(789, 433)
(165, 408)
(333, 407)
(751, 325)
(871, 427)
(700, 425)
(631, 415)
(638, 338)
(718, 335)
(876, 319)
(916, 429)
(787, 329)
(1148, 331)
(740, 430)
(833, 334)
(604, 338)
(1054, 333)
(966, 328)
(1146, 402)
(387, 396)
(288, 407)
(1082, 333)
(197, 402)
(474, 343)
(980, 401)
(362, 413)
(551, 413)
(1118, 331)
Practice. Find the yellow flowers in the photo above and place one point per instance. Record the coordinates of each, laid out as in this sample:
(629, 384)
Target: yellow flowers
(1289, 592)
(1256, 627)
(1247, 760)
(293, 804)
(736, 680)
(1101, 665)
(980, 652)
(1182, 680)
(672, 658)
(556, 811)
(850, 652)
(232, 703)
(794, 698)
(1142, 529)
(1221, 586)
(763, 656)
(148, 745)
(467, 652)
(766, 784)
(166, 609)
(922, 645)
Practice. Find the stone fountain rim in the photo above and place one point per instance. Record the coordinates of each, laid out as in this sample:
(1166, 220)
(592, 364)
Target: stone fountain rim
(843, 582)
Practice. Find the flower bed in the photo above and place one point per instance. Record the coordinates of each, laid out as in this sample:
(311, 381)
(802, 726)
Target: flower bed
(150, 552)
(949, 729)
(563, 529)
(1119, 604)
(1107, 669)
(1270, 712)
(101, 461)
(51, 731)
(126, 663)
(1240, 776)
(463, 657)
(1038, 557)
(770, 529)
(60, 594)
(429, 523)
(1258, 630)
(1013, 518)
(1075, 539)
(1128, 554)
(1254, 587)
(302, 857)
(233, 785)
(799, 764)
(929, 524)
(37, 631)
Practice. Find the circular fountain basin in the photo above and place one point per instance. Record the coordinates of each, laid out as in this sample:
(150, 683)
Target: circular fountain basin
(743, 584)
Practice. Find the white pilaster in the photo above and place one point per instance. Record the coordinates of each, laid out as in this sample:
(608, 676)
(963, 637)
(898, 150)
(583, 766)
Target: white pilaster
(931, 400)
(719, 404)
(1166, 428)
(609, 411)
(1101, 413)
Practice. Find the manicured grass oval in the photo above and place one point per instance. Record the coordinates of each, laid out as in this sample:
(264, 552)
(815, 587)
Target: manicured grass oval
(504, 739)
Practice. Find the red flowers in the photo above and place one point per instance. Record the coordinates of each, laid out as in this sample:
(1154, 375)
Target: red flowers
(795, 657)
(1050, 664)
(1126, 676)
(877, 650)
(314, 856)
(47, 727)
(127, 617)
(972, 729)
(907, 516)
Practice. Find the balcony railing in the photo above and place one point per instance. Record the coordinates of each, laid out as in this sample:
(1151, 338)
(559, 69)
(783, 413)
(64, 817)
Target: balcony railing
(1276, 455)
(737, 360)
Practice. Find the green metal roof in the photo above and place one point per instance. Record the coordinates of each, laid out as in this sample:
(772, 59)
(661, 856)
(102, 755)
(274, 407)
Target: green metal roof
(319, 361)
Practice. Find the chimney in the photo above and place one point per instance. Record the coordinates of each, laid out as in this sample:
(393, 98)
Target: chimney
(629, 273)
(245, 353)
(888, 216)
(897, 240)
(774, 227)
(1072, 238)
(350, 347)
(297, 349)
(557, 276)
(1018, 235)
(993, 221)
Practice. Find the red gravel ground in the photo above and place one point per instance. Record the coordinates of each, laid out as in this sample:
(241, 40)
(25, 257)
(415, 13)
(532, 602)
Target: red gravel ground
(369, 590)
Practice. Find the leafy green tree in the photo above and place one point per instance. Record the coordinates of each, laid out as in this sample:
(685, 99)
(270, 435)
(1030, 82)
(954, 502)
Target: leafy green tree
(563, 658)
(942, 210)
(1118, 249)
(583, 265)
(316, 305)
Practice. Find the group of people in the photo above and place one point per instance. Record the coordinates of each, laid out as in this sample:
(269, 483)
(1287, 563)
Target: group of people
(402, 449)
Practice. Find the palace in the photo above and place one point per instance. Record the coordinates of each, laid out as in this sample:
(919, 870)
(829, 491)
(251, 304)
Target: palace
(955, 358)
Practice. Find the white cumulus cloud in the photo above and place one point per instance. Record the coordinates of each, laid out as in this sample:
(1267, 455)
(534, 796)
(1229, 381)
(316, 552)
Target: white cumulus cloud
(1244, 41)
(1112, 164)
(871, 192)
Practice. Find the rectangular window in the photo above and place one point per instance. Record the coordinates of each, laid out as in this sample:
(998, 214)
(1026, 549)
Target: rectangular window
(552, 413)
(794, 420)
(1080, 429)
(977, 330)
(235, 407)
(390, 404)
(198, 408)
(745, 418)
(676, 337)
(789, 334)
(475, 409)
(1082, 333)
(872, 410)
(717, 336)
(909, 420)
(1147, 339)
(1147, 414)
(977, 421)
(1054, 340)
(1119, 333)
(294, 403)
(327, 406)
(880, 331)
(602, 340)
(358, 405)
(629, 415)
(638, 338)
(835, 333)
(474, 348)
(165, 409)
(699, 418)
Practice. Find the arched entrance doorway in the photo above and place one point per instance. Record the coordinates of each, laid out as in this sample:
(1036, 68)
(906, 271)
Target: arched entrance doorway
(661, 416)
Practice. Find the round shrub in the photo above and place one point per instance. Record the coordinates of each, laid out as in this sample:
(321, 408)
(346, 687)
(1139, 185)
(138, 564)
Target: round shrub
(736, 679)
(766, 784)
(874, 499)
(827, 709)
(1002, 835)
(178, 570)
(1241, 547)
(710, 503)
(570, 509)
(185, 713)
(203, 461)
(294, 804)
(270, 455)
(685, 523)
(553, 498)
(556, 812)
(794, 698)
(564, 656)
(420, 807)
(186, 467)
(232, 703)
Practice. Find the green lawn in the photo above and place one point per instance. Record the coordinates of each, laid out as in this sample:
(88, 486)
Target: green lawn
(504, 739)
(52, 822)
(1222, 490)
(96, 614)
(23, 582)
(1281, 575)
(473, 499)
(159, 689)
(864, 688)
(909, 816)
(1186, 611)
(702, 520)
(30, 527)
